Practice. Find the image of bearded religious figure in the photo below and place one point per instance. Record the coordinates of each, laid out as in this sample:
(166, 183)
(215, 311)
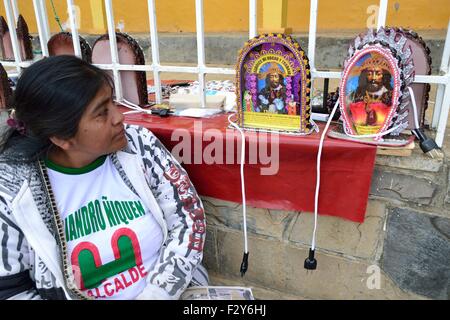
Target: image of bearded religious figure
(273, 95)
(372, 99)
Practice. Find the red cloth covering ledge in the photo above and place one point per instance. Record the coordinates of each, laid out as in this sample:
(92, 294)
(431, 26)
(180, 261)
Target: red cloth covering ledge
(346, 168)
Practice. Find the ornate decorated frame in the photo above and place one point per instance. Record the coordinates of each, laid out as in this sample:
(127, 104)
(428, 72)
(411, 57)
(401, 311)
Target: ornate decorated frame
(393, 63)
(413, 36)
(123, 39)
(305, 76)
(65, 39)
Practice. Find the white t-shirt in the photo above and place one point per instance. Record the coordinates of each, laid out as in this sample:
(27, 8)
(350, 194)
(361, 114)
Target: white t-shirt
(112, 238)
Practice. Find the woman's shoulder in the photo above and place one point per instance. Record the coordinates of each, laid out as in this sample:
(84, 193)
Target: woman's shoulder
(135, 131)
(143, 142)
(139, 137)
(13, 174)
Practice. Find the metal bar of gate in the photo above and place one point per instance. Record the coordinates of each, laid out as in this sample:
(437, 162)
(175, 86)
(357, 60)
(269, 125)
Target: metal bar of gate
(155, 50)
(200, 50)
(15, 8)
(382, 13)
(13, 33)
(73, 27)
(444, 69)
(113, 47)
(40, 26)
(253, 19)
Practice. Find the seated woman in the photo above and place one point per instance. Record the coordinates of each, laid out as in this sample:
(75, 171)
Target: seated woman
(90, 207)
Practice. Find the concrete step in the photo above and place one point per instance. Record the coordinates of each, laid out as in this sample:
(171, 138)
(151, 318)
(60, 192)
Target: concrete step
(396, 253)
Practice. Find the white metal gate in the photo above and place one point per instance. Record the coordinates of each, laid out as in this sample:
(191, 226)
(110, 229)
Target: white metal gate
(442, 103)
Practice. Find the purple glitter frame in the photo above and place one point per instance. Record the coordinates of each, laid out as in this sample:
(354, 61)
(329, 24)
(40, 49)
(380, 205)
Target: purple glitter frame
(290, 58)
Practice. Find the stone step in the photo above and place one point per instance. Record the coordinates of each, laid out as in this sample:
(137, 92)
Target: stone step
(279, 266)
(390, 252)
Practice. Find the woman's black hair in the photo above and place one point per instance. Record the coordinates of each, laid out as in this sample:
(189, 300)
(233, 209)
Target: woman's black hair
(51, 97)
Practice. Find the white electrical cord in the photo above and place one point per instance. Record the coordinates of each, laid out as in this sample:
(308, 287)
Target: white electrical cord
(413, 101)
(135, 108)
(318, 162)
(319, 155)
(316, 198)
(244, 210)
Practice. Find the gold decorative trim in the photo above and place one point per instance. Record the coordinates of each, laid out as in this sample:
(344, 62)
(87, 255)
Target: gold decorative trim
(299, 55)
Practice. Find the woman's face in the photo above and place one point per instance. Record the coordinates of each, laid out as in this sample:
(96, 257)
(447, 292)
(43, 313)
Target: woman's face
(100, 130)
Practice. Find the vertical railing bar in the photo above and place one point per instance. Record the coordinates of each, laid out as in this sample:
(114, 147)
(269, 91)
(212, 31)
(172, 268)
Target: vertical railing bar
(312, 41)
(312, 34)
(446, 52)
(15, 10)
(253, 19)
(73, 27)
(40, 25)
(437, 105)
(444, 68)
(13, 33)
(326, 85)
(440, 134)
(382, 13)
(200, 50)
(113, 46)
(155, 50)
(46, 26)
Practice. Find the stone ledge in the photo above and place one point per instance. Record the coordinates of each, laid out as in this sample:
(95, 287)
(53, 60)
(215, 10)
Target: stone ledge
(402, 187)
(418, 161)
(360, 240)
(416, 253)
(264, 222)
(277, 265)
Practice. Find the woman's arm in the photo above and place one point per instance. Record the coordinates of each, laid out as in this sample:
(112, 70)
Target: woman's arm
(15, 280)
(184, 214)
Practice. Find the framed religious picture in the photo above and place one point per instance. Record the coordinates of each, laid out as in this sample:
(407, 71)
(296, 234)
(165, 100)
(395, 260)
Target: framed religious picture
(374, 98)
(273, 85)
(369, 91)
